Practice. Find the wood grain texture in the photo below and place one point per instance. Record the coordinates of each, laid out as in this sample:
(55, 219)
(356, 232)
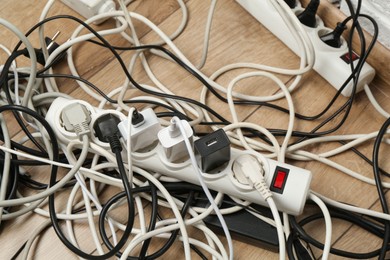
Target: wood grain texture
(235, 37)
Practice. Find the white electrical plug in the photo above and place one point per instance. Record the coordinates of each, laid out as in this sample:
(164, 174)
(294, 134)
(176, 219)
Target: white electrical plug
(173, 141)
(143, 133)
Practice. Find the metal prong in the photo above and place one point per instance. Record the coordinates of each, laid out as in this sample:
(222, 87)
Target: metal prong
(53, 39)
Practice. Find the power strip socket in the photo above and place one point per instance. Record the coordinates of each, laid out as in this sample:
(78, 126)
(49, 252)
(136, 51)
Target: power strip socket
(288, 184)
(333, 64)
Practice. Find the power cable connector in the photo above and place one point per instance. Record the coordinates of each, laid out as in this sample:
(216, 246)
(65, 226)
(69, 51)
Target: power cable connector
(173, 141)
(308, 16)
(333, 38)
(144, 128)
(106, 129)
(76, 118)
(291, 3)
(249, 167)
(213, 150)
(51, 46)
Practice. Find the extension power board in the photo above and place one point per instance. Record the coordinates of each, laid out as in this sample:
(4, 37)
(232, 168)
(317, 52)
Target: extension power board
(333, 64)
(291, 199)
(288, 184)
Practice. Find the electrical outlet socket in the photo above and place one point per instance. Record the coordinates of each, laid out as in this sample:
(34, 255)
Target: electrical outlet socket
(333, 64)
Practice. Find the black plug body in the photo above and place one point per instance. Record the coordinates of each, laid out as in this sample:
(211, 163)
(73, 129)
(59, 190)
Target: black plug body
(308, 16)
(333, 38)
(51, 47)
(106, 129)
(213, 149)
(291, 3)
(137, 118)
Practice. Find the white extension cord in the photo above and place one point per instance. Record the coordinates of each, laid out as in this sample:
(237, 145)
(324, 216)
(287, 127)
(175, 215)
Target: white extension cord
(290, 184)
(331, 63)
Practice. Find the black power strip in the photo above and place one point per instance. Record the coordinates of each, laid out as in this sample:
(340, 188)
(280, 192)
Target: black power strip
(244, 226)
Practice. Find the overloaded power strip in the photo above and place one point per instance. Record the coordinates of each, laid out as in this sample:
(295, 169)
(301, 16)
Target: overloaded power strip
(331, 62)
(161, 150)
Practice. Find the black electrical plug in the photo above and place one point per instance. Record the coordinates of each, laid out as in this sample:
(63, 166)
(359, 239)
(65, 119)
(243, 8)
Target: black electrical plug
(213, 149)
(106, 129)
(51, 46)
(137, 118)
(308, 16)
(291, 3)
(333, 38)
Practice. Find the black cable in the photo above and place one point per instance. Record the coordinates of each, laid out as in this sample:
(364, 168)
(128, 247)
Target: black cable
(4, 86)
(379, 186)
(153, 221)
(303, 235)
(123, 66)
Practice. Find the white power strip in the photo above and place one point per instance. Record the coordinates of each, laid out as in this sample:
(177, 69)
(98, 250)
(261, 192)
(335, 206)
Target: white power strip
(330, 62)
(295, 182)
(288, 184)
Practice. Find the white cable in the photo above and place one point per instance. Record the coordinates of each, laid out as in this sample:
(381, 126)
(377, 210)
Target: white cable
(145, 62)
(349, 207)
(204, 186)
(16, 74)
(281, 154)
(374, 102)
(6, 164)
(54, 188)
(206, 38)
(328, 225)
(33, 59)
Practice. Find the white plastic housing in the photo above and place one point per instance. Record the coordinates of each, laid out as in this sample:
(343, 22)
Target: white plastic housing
(291, 201)
(328, 62)
(142, 135)
(173, 142)
(53, 117)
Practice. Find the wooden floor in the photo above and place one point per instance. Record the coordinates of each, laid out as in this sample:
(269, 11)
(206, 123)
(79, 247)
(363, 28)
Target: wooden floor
(235, 37)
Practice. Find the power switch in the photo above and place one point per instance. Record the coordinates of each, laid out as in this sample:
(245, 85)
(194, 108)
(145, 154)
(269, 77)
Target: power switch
(279, 180)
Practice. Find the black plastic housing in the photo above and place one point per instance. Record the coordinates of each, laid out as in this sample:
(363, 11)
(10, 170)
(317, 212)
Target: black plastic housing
(213, 150)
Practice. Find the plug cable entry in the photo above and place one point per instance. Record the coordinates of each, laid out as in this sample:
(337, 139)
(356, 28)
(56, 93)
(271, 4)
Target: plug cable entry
(291, 3)
(76, 117)
(106, 129)
(308, 16)
(333, 39)
(253, 170)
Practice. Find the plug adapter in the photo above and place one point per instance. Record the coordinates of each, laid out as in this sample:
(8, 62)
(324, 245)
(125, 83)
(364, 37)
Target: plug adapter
(173, 141)
(213, 150)
(143, 129)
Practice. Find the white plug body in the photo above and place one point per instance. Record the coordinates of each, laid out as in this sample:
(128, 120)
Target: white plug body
(331, 63)
(142, 135)
(64, 132)
(173, 142)
(90, 8)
